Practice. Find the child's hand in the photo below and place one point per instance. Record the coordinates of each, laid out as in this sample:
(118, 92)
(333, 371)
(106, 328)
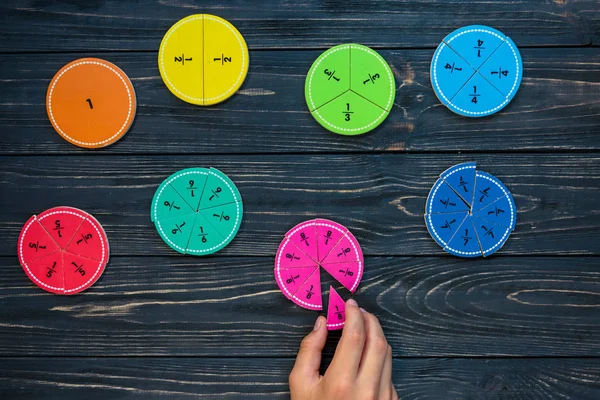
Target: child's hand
(361, 367)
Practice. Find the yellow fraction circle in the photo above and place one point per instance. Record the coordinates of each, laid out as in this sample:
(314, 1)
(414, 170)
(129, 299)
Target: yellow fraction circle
(203, 59)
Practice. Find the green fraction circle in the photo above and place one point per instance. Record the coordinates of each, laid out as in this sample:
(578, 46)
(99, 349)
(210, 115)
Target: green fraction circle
(197, 211)
(350, 89)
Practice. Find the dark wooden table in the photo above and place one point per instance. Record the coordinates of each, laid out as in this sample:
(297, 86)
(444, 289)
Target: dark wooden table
(523, 324)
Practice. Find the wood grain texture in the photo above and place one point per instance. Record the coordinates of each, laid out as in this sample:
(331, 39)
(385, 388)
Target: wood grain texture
(520, 325)
(557, 108)
(231, 306)
(266, 378)
(42, 25)
(380, 198)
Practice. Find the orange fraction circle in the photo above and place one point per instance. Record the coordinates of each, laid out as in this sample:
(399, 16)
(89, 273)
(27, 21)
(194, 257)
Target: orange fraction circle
(91, 103)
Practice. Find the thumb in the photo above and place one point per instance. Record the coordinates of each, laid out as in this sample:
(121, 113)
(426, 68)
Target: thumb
(308, 361)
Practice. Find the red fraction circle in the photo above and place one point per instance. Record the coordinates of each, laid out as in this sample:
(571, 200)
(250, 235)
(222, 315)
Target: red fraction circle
(63, 250)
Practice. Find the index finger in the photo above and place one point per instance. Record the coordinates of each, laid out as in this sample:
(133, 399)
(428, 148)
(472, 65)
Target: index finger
(350, 348)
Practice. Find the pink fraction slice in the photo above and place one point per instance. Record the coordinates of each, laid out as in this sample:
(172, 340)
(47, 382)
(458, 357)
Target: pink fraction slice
(336, 311)
(329, 234)
(309, 294)
(346, 250)
(348, 273)
(290, 280)
(304, 237)
(290, 256)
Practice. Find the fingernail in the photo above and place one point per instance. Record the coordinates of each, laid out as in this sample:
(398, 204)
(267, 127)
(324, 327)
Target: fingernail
(318, 323)
(363, 310)
(352, 303)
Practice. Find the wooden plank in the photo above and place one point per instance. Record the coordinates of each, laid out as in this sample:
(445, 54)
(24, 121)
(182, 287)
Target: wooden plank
(231, 306)
(266, 378)
(381, 198)
(556, 108)
(114, 25)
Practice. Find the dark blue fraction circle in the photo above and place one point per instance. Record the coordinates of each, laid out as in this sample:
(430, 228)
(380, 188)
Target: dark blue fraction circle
(476, 71)
(470, 213)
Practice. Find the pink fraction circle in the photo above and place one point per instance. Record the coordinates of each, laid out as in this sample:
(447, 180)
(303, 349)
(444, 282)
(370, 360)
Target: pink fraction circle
(310, 246)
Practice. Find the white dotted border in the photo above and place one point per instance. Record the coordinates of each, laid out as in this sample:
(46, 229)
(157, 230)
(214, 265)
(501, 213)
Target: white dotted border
(162, 187)
(502, 38)
(226, 24)
(465, 253)
(84, 217)
(386, 68)
(442, 179)
(354, 246)
(280, 251)
(510, 200)
(517, 69)
(439, 90)
(93, 222)
(292, 232)
(237, 217)
(506, 233)
(292, 296)
(431, 227)
(447, 174)
(25, 264)
(430, 206)
(434, 69)
(512, 215)
(314, 223)
(109, 66)
(338, 324)
(158, 224)
(316, 66)
(369, 125)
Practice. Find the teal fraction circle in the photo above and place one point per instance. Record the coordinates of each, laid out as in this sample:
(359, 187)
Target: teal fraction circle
(476, 71)
(197, 211)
